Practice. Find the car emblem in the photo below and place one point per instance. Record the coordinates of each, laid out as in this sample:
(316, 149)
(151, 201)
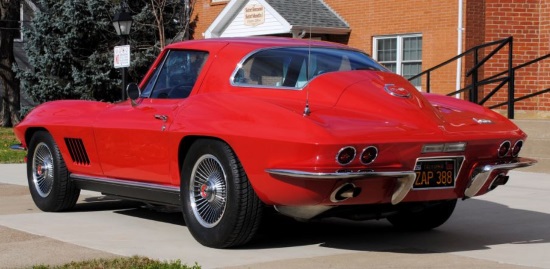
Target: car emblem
(483, 121)
(397, 91)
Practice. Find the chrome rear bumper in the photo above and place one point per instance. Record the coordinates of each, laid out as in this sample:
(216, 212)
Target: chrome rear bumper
(405, 179)
(481, 174)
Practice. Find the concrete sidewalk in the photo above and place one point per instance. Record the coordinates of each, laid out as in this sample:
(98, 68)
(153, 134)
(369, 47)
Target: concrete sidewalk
(19, 249)
(507, 228)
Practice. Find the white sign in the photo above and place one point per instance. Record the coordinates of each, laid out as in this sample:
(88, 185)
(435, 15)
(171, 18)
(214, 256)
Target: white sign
(254, 15)
(122, 56)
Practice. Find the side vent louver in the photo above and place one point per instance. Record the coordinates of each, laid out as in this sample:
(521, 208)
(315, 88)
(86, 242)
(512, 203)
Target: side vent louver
(77, 151)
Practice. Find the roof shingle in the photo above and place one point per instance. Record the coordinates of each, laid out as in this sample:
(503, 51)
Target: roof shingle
(306, 13)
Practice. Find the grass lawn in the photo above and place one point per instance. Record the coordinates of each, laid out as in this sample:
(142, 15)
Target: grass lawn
(122, 263)
(7, 155)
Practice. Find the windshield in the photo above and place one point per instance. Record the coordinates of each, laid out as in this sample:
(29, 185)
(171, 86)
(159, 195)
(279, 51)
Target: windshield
(295, 67)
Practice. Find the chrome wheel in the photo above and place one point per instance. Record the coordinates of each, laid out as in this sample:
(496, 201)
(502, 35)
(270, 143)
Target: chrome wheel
(47, 175)
(208, 190)
(42, 170)
(219, 206)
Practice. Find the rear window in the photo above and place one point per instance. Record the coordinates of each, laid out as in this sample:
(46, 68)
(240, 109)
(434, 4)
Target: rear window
(295, 67)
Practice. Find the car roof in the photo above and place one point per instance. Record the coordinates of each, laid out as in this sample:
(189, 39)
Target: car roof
(253, 42)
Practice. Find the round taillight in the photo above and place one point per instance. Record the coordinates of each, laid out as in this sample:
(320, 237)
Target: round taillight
(368, 155)
(517, 148)
(504, 148)
(345, 156)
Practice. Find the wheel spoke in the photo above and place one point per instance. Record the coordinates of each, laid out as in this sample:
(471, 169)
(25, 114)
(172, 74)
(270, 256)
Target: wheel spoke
(43, 169)
(202, 175)
(208, 190)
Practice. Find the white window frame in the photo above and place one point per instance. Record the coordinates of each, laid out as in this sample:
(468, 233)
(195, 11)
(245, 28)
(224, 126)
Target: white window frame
(21, 19)
(399, 53)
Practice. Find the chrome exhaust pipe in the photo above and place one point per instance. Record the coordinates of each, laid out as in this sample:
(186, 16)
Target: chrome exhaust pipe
(344, 192)
(499, 180)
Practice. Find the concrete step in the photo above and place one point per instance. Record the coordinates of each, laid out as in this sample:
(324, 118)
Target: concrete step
(537, 145)
(535, 128)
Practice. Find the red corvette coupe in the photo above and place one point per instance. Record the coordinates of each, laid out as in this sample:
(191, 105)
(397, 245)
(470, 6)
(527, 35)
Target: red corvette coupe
(224, 128)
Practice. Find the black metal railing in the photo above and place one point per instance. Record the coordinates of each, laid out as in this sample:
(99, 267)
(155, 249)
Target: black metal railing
(506, 77)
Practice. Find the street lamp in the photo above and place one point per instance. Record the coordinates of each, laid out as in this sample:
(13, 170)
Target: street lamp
(122, 21)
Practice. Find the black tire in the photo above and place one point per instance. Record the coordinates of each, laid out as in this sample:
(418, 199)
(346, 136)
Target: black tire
(49, 183)
(219, 205)
(426, 219)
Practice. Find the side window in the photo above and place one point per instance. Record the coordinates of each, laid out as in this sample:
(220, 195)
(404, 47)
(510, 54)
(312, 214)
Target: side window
(264, 70)
(293, 68)
(273, 68)
(176, 75)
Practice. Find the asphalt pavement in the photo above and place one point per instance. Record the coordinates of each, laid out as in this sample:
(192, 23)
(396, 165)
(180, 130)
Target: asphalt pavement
(507, 228)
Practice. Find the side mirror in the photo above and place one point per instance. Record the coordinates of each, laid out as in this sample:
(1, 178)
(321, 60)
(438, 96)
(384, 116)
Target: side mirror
(133, 92)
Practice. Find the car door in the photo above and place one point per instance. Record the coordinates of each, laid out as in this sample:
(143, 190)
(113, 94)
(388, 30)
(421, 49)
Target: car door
(133, 141)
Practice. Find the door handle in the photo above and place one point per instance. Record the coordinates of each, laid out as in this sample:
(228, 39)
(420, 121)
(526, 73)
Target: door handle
(161, 117)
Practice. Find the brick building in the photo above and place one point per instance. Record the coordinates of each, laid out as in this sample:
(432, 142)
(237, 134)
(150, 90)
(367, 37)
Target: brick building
(407, 36)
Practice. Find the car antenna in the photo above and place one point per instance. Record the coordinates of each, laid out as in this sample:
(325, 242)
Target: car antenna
(306, 108)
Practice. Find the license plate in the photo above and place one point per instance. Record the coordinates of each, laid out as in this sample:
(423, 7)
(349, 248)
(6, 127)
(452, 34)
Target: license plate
(438, 173)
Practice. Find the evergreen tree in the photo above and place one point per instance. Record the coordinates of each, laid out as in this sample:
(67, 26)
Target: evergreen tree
(70, 45)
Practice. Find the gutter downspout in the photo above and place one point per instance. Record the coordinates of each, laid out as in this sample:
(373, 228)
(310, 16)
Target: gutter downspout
(459, 50)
